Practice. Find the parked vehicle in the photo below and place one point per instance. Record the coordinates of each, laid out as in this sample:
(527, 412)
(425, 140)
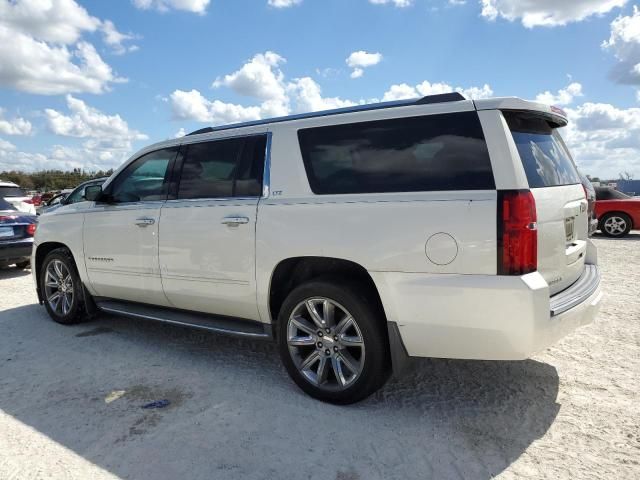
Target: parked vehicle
(76, 195)
(16, 196)
(617, 212)
(438, 227)
(16, 235)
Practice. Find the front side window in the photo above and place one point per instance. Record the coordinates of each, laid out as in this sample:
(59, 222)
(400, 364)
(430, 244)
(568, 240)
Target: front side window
(146, 179)
(414, 154)
(223, 168)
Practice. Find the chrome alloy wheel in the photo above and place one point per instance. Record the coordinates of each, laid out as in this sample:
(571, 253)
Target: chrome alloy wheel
(325, 343)
(615, 225)
(58, 285)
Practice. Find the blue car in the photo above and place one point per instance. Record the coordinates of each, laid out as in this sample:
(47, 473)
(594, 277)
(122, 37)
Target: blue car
(16, 235)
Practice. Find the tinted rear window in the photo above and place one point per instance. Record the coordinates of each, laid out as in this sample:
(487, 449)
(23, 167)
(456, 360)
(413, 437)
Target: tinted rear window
(11, 192)
(545, 158)
(430, 153)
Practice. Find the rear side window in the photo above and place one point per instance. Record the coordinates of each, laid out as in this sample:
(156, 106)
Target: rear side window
(545, 158)
(414, 154)
(610, 194)
(223, 168)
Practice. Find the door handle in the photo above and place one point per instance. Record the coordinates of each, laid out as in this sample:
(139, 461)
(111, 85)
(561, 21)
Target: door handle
(144, 222)
(234, 221)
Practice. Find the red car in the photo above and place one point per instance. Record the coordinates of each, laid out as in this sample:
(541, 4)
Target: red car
(617, 213)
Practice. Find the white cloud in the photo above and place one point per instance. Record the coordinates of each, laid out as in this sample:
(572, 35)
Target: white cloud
(58, 21)
(284, 3)
(194, 6)
(115, 39)
(360, 60)
(180, 133)
(193, 105)
(624, 42)
(260, 77)
(547, 13)
(16, 126)
(396, 3)
(42, 50)
(403, 91)
(109, 135)
(6, 146)
(307, 97)
(565, 96)
(604, 139)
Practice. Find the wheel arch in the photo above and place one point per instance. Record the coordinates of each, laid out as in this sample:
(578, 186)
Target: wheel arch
(294, 271)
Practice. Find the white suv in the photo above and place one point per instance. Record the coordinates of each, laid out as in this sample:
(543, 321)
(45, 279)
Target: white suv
(356, 238)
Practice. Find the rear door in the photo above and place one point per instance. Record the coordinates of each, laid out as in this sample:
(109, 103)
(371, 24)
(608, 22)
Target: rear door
(207, 233)
(561, 206)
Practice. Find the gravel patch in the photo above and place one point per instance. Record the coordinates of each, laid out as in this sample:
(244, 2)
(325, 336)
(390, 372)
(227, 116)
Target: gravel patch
(71, 398)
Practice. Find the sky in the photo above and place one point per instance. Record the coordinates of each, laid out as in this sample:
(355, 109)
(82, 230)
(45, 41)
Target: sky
(86, 83)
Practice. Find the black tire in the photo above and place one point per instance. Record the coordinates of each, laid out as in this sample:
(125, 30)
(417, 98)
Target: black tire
(76, 311)
(374, 361)
(622, 222)
(23, 265)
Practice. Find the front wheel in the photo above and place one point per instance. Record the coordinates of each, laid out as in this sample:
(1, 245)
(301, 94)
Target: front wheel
(615, 225)
(333, 342)
(61, 287)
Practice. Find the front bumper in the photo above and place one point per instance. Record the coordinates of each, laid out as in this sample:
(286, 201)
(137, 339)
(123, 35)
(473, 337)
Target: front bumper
(484, 317)
(17, 251)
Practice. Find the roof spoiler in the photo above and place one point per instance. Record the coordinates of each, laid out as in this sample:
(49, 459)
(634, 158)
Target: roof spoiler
(427, 100)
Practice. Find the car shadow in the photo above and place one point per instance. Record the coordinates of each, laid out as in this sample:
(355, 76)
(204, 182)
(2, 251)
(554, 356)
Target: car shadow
(234, 413)
(13, 272)
(632, 235)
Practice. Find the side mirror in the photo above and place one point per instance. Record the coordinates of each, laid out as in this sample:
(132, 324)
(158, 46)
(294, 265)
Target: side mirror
(93, 192)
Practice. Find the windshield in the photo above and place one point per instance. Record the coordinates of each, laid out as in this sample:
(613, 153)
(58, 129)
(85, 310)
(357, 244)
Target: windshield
(11, 192)
(610, 194)
(545, 158)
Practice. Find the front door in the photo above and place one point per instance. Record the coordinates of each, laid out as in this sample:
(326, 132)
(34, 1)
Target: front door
(121, 234)
(207, 234)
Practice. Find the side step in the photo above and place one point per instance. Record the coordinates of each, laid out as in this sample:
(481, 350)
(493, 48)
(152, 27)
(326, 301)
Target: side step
(186, 318)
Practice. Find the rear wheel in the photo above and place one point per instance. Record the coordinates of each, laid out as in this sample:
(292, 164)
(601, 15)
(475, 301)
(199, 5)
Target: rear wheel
(61, 287)
(332, 341)
(615, 224)
(23, 265)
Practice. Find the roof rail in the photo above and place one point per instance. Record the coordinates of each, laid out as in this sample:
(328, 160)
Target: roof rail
(429, 99)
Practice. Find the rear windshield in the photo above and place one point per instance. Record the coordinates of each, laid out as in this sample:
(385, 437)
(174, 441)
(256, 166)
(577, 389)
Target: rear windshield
(11, 192)
(544, 156)
(415, 154)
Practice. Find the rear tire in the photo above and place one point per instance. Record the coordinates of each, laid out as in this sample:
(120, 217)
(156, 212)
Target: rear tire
(61, 287)
(23, 265)
(615, 225)
(340, 352)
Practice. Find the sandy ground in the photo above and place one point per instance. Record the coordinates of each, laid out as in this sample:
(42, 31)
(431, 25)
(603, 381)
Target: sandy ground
(570, 412)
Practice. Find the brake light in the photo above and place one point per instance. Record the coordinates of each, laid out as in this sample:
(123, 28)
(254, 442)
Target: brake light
(517, 232)
(31, 229)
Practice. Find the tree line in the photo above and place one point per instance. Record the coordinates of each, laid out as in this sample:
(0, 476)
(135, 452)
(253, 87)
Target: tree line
(46, 180)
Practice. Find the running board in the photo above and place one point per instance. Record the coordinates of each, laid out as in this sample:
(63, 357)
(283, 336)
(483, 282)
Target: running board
(186, 318)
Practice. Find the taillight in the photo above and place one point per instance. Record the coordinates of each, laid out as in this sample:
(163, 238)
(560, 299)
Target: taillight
(517, 233)
(31, 229)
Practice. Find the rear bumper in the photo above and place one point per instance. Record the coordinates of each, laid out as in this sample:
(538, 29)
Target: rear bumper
(484, 317)
(15, 251)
